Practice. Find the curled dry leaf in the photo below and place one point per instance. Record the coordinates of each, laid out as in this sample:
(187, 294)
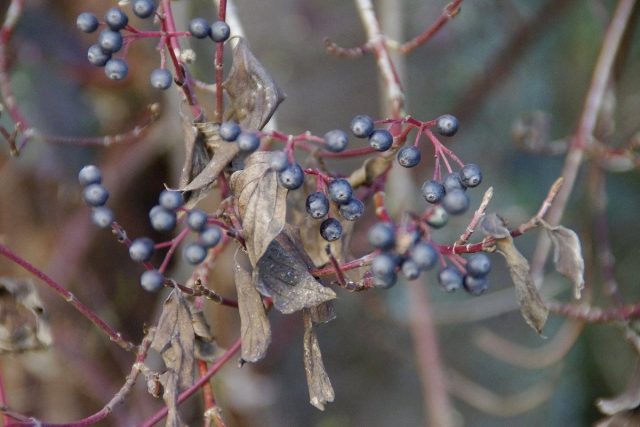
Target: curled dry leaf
(283, 274)
(567, 255)
(175, 338)
(253, 93)
(255, 330)
(24, 323)
(262, 203)
(320, 388)
(206, 347)
(532, 307)
(371, 169)
(169, 381)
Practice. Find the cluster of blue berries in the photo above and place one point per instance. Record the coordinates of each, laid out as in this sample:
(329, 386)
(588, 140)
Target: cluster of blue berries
(451, 192)
(200, 28)
(247, 141)
(340, 192)
(474, 281)
(95, 195)
(363, 127)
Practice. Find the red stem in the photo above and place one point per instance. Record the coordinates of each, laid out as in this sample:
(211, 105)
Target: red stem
(222, 16)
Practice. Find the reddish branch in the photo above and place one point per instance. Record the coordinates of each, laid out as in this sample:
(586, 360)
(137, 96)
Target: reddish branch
(450, 11)
(222, 16)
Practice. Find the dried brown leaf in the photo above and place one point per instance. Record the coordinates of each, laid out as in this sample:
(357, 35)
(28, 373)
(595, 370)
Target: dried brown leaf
(283, 274)
(255, 330)
(169, 381)
(206, 347)
(320, 389)
(253, 93)
(371, 169)
(24, 323)
(627, 401)
(262, 203)
(567, 255)
(322, 313)
(531, 305)
(174, 338)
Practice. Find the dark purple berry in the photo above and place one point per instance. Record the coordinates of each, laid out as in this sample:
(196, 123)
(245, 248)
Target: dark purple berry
(475, 285)
(292, 177)
(409, 157)
(171, 200)
(381, 140)
(102, 217)
(89, 174)
(162, 219)
(386, 281)
(151, 280)
(424, 255)
(340, 191)
(161, 78)
(336, 140)
(317, 205)
(331, 229)
(87, 22)
(197, 220)
(362, 126)
(95, 195)
(248, 141)
(141, 249)
(382, 235)
(116, 69)
(447, 125)
(143, 8)
(110, 41)
(455, 202)
(470, 175)
(194, 253)
(116, 19)
(199, 28)
(220, 31)
(229, 131)
(433, 191)
(279, 161)
(97, 56)
(410, 269)
(352, 210)
(438, 217)
(478, 265)
(450, 279)
(453, 181)
(210, 237)
(384, 264)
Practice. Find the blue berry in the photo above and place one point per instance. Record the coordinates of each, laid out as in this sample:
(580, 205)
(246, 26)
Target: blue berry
(382, 235)
(199, 28)
(89, 174)
(171, 200)
(194, 253)
(116, 69)
(161, 78)
(384, 264)
(381, 140)
(210, 236)
(471, 175)
(102, 217)
(476, 285)
(455, 202)
(279, 161)
(447, 125)
(197, 220)
(141, 249)
(386, 281)
(362, 126)
(409, 157)
(110, 41)
(410, 269)
(336, 140)
(229, 131)
(143, 8)
(317, 205)
(331, 229)
(438, 217)
(352, 210)
(340, 191)
(97, 56)
(478, 265)
(433, 191)
(116, 19)
(220, 31)
(87, 22)
(151, 280)
(450, 279)
(424, 255)
(292, 177)
(162, 219)
(453, 181)
(248, 141)
(95, 195)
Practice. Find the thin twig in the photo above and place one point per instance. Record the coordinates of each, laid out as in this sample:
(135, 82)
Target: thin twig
(449, 12)
(477, 217)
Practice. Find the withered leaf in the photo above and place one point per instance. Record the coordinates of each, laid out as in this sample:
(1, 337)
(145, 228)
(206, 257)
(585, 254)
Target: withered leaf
(255, 330)
(174, 338)
(567, 255)
(531, 306)
(169, 381)
(371, 169)
(627, 401)
(205, 345)
(320, 388)
(322, 313)
(283, 274)
(262, 203)
(253, 92)
(24, 324)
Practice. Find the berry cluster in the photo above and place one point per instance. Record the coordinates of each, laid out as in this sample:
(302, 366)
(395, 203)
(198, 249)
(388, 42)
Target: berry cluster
(200, 28)
(450, 193)
(95, 195)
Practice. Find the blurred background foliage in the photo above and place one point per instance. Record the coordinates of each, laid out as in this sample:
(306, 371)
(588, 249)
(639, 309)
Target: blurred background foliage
(468, 69)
